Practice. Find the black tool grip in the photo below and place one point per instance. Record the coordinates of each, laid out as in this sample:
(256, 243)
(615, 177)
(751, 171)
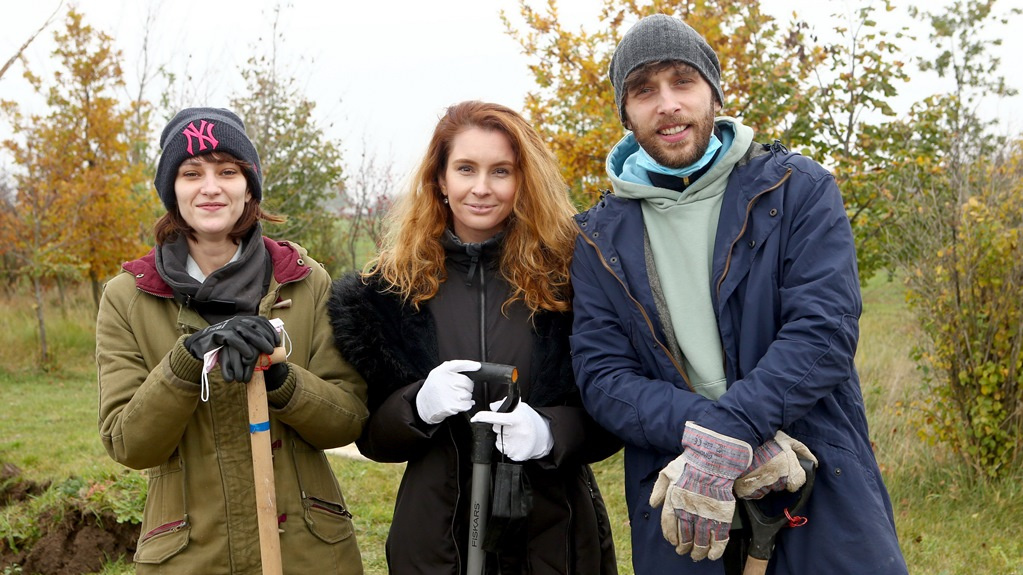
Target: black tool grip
(498, 373)
(495, 372)
(766, 528)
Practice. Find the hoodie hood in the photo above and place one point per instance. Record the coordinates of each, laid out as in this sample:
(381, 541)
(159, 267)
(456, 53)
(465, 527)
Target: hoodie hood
(631, 181)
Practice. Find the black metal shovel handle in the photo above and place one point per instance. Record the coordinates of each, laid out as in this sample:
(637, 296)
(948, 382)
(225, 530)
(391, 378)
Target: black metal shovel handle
(765, 528)
(502, 374)
(483, 439)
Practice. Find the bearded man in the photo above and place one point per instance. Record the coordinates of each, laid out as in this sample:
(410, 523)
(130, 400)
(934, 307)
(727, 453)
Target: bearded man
(716, 321)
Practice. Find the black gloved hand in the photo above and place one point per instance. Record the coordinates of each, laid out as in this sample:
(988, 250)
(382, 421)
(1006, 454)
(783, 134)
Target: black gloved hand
(275, 375)
(243, 339)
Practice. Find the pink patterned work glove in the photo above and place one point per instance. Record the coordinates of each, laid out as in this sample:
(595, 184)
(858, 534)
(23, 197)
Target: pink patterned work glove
(775, 467)
(702, 497)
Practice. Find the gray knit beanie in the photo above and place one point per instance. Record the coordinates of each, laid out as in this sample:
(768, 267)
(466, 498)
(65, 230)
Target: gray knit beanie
(196, 131)
(657, 38)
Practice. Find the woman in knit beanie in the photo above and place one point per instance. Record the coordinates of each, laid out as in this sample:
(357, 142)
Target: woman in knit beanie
(212, 284)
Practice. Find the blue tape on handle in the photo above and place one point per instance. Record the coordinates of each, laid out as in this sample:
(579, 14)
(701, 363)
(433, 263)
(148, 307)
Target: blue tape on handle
(257, 427)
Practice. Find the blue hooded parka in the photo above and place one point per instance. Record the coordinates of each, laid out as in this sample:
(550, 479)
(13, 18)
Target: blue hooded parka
(786, 295)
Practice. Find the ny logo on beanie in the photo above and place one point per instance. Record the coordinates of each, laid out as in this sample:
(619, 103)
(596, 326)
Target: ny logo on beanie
(191, 132)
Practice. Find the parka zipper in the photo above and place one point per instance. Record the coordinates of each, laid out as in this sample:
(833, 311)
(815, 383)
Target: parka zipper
(646, 318)
(164, 529)
(742, 231)
(458, 497)
(483, 313)
(478, 263)
(474, 265)
(327, 507)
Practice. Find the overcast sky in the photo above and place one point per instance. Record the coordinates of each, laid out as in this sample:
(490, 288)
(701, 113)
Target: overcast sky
(380, 72)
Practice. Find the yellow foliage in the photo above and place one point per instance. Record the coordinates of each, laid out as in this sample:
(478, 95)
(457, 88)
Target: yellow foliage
(76, 210)
(966, 291)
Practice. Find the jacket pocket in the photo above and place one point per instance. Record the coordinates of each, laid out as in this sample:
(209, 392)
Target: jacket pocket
(329, 521)
(165, 527)
(324, 509)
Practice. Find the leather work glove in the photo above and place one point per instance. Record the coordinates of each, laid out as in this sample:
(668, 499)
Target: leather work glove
(522, 433)
(775, 467)
(241, 338)
(666, 482)
(446, 391)
(703, 500)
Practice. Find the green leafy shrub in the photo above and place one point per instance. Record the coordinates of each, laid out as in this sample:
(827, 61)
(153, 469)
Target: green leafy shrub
(123, 495)
(967, 296)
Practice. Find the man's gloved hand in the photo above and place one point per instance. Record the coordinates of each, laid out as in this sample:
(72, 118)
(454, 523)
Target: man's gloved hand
(666, 482)
(446, 391)
(775, 467)
(241, 339)
(702, 497)
(522, 433)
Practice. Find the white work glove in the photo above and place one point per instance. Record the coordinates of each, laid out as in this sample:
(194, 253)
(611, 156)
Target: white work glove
(775, 467)
(522, 433)
(446, 391)
(665, 484)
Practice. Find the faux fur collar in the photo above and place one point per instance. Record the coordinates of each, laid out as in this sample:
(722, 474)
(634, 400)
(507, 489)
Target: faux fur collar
(392, 346)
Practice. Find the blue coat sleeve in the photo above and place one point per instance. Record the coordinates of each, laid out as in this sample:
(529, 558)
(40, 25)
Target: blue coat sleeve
(621, 369)
(803, 348)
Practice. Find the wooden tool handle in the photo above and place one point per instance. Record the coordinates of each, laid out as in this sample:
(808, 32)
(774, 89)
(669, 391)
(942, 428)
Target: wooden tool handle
(263, 470)
(280, 355)
(755, 566)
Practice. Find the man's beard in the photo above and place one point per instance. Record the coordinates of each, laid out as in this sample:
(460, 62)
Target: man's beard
(679, 154)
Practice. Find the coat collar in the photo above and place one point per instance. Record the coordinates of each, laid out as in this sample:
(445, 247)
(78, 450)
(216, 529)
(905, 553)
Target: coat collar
(288, 264)
(392, 345)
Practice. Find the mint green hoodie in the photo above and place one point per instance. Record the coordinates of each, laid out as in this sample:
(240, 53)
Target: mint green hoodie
(681, 228)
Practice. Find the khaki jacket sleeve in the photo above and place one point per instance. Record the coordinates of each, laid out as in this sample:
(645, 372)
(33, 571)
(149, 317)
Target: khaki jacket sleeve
(143, 406)
(328, 404)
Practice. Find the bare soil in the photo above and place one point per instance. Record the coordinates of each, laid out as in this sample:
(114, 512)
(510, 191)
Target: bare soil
(74, 541)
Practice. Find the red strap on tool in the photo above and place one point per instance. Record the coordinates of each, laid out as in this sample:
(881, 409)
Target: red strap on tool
(264, 363)
(795, 520)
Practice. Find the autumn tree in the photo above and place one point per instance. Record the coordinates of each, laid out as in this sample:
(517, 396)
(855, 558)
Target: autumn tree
(958, 244)
(368, 194)
(24, 46)
(302, 167)
(143, 147)
(9, 260)
(74, 214)
(845, 121)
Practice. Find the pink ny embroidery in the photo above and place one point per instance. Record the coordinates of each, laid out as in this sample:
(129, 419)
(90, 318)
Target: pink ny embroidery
(192, 132)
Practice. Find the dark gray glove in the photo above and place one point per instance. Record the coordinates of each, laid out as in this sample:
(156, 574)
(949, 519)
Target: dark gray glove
(275, 375)
(241, 339)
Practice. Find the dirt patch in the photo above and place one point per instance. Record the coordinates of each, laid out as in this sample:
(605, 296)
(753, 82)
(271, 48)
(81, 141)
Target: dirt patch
(73, 541)
(13, 488)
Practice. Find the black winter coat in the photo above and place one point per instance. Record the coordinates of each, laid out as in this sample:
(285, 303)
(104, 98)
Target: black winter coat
(394, 348)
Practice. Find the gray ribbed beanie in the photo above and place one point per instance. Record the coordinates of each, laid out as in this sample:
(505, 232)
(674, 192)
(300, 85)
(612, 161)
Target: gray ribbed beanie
(661, 37)
(196, 131)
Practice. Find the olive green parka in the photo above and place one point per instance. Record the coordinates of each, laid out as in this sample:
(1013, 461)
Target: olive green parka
(200, 513)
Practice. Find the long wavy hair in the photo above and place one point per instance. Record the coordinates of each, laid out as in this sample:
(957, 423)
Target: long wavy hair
(539, 235)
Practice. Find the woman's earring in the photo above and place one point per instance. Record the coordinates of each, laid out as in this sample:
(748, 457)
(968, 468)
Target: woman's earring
(445, 200)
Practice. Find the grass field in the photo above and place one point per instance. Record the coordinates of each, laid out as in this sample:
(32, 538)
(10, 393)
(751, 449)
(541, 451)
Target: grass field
(948, 524)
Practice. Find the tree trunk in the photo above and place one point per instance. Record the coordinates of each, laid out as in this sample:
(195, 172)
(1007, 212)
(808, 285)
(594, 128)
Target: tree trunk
(44, 354)
(61, 296)
(96, 290)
